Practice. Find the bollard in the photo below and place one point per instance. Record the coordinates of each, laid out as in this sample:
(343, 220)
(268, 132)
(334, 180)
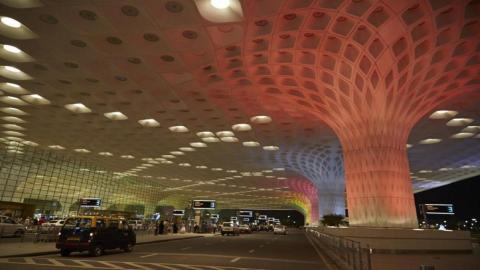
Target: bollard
(427, 267)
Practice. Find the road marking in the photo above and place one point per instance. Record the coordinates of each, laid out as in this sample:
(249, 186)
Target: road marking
(55, 262)
(251, 251)
(163, 266)
(186, 248)
(83, 263)
(318, 252)
(149, 255)
(138, 265)
(190, 267)
(235, 260)
(110, 264)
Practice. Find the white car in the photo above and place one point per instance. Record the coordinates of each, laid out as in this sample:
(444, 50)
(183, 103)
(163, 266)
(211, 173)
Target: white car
(54, 223)
(8, 227)
(280, 229)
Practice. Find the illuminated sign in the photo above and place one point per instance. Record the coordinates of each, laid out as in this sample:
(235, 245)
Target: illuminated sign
(246, 219)
(203, 204)
(262, 217)
(178, 212)
(233, 218)
(245, 213)
(90, 202)
(438, 208)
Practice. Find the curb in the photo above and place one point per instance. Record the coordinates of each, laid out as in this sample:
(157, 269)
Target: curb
(34, 254)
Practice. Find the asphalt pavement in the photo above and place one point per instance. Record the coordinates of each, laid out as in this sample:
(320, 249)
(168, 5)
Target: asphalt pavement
(259, 250)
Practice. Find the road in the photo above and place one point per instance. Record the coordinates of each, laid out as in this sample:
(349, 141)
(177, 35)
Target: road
(260, 250)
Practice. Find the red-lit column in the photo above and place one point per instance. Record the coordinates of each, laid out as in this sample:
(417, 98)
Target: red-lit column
(377, 177)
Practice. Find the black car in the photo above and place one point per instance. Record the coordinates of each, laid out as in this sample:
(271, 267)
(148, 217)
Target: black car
(95, 234)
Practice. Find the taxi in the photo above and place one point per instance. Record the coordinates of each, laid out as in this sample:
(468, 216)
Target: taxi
(95, 234)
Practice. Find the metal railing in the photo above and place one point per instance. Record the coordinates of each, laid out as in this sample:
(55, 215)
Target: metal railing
(347, 254)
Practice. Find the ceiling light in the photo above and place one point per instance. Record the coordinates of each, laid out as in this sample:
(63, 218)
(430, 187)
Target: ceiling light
(231, 171)
(251, 144)
(36, 99)
(445, 169)
(225, 134)
(115, 116)
(443, 114)
(10, 22)
(261, 119)
(168, 156)
(471, 129)
(81, 150)
(409, 145)
(425, 171)
(201, 167)
(177, 153)
(217, 169)
(220, 4)
(14, 111)
(13, 133)
(458, 122)
(203, 134)
(210, 139)
(149, 123)
(279, 169)
(78, 108)
(107, 154)
(166, 162)
(468, 166)
(271, 148)
(11, 49)
(30, 143)
(186, 149)
(127, 157)
(430, 141)
(16, 139)
(56, 147)
(12, 69)
(178, 129)
(13, 101)
(13, 119)
(241, 127)
(13, 126)
(184, 164)
(462, 135)
(198, 144)
(229, 139)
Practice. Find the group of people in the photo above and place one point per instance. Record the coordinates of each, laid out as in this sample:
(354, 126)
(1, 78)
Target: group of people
(165, 227)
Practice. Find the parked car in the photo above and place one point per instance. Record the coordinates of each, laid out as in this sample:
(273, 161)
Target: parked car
(95, 234)
(244, 228)
(230, 228)
(8, 227)
(136, 224)
(280, 229)
(54, 223)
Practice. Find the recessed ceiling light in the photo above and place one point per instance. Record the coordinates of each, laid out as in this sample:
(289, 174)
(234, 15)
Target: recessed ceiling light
(115, 116)
(231, 171)
(198, 144)
(13, 101)
(271, 148)
(229, 139)
(13, 119)
(187, 149)
(458, 122)
(36, 99)
(241, 127)
(82, 150)
(107, 154)
(471, 129)
(10, 22)
(179, 129)
(203, 134)
(11, 49)
(210, 139)
(13, 127)
(78, 108)
(443, 114)
(149, 123)
(462, 135)
(220, 4)
(430, 141)
(184, 164)
(127, 156)
(201, 167)
(177, 153)
(261, 119)
(166, 162)
(56, 147)
(168, 156)
(13, 133)
(30, 143)
(217, 169)
(251, 144)
(12, 69)
(14, 111)
(225, 134)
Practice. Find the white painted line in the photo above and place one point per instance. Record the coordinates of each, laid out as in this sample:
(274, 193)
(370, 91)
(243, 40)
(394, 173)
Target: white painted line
(164, 266)
(83, 263)
(138, 266)
(110, 264)
(55, 262)
(186, 248)
(319, 253)
(149, 255)
(251, 251)
(191, 267)
(235, 260)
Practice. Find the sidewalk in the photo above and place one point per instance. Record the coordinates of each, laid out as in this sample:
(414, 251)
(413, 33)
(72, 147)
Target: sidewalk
(19, 249)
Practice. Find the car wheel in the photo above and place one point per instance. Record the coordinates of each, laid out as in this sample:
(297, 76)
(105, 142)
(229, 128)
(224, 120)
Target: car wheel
(18, 233)
(128, 247)
(96, 251)
(64, 252)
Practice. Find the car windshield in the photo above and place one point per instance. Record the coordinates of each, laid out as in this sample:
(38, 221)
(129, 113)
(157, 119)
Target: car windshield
(227, 224)
(279, 227)
(78, 222)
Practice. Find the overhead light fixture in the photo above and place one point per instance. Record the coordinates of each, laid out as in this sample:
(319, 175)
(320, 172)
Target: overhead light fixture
(229, 139)
(225, 134)
(261, 119)
(10, 22)
(11, 110)
(210, 139)
(271, 148)
(36, 99)
(106, 154)
(187, 149)
(13, 127)
(279, 169)
(443, 114)
(13, 101)
(184, 164)
(115, 116)
(204, 134)
(251, 144)
(462, 135)
(231, 171)
(12, 69)
(430, 141)
(179, 129)
(13, 119)
(56, 147)
(166, 162)
(409, 145)
(30, 143)
(78, 108)
(127, 157)
(168, 156)
(201, 167)
(198, 144)
(177, 153)
(471, 129)
(459, 122)
(217, 169)
(82, 150)
(242, 127)
(12, 49)
(13, 133)
(149, 123)
(220, 4)
(445, 169)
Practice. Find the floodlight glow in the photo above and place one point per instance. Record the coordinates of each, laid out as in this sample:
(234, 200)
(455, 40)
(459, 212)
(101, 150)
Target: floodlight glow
(220, 4)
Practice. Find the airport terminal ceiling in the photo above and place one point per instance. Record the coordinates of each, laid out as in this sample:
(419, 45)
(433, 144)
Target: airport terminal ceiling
(250, 104)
